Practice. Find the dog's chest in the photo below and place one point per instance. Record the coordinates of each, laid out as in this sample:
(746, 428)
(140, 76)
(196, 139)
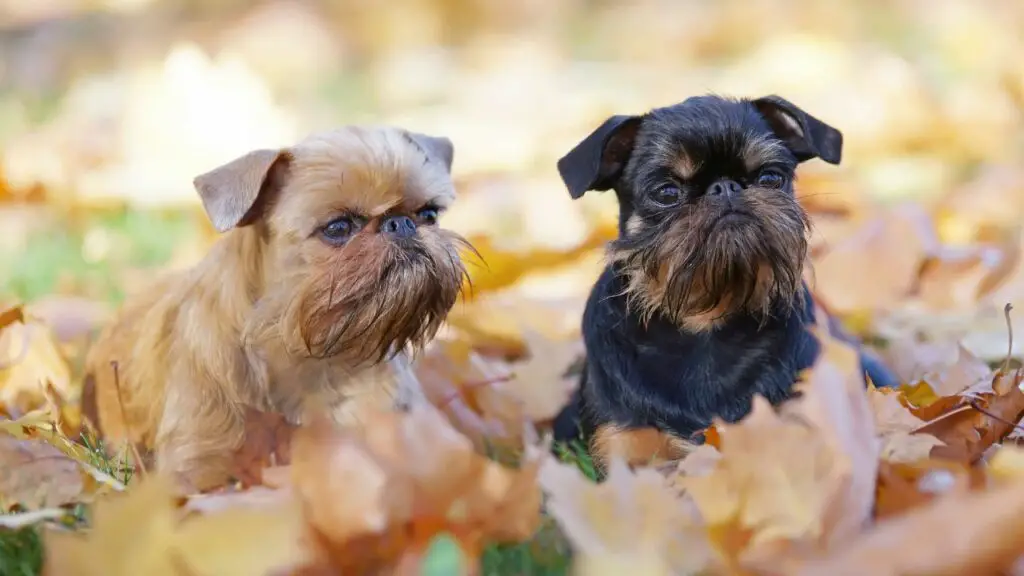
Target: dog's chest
(343, 393)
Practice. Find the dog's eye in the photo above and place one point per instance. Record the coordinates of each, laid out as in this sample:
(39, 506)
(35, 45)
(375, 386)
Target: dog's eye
(771, 179)
(338, 230)
(428, 216)
(667, 196)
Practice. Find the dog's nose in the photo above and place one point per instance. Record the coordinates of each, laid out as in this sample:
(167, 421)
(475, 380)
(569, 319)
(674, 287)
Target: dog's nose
(398, 226)
(724, 187)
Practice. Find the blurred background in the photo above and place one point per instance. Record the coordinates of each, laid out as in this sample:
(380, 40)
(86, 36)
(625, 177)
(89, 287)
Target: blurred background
(109, 108)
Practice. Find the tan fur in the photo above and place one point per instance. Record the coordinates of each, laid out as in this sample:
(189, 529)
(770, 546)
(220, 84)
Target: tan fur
(759, 150)
(684, 166)
(638, 447)
(196, 346)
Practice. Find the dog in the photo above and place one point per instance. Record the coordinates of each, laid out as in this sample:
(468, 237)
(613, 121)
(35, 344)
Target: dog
(702, 303)
(330, 271)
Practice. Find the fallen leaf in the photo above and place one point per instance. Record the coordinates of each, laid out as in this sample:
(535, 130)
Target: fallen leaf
(962, 533)
(631, 519)
(495, 402)
(164, 542)
(37, 475)
(773, 490)
(23, 519)
(984, 421)
(834, 402)
(268, 437)
(876, 267)
(957, 278)
(1007, 463)
(377, 494)
(895, 425)
(903, 486)
(29, 358)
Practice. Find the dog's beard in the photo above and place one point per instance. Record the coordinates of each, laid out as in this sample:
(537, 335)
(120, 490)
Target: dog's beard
(697, 264)
(381, 297)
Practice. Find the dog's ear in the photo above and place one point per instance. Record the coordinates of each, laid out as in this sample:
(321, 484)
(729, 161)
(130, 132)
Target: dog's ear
(230, 192)
(804, 134)
(436, 148)
(597, 161)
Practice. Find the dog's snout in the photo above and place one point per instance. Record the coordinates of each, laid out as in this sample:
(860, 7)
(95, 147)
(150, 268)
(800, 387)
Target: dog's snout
(724, 187)
(398, 226)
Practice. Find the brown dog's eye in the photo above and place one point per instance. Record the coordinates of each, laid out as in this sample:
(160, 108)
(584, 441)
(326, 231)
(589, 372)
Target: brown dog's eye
(428, 216)
(338, 230)
(771, 179)
(667, 196)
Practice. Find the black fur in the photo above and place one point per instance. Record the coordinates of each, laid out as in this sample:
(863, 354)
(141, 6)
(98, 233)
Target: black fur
(640, 371)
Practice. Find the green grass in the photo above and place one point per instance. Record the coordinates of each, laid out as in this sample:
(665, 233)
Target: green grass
(55, 258)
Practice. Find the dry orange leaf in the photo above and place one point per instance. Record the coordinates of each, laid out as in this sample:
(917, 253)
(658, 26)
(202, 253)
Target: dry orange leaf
(163, 542)
(961, 533)
(984, 421)
(903, 486)
(491, 400)
(375, 495)
(896, 425)
(631, 519)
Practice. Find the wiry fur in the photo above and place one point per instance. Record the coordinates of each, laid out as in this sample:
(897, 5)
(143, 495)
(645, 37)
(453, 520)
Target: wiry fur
(277, 318)
(702, 304)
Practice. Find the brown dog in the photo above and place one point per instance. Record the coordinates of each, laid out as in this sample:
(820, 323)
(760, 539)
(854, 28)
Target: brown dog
(331, 269)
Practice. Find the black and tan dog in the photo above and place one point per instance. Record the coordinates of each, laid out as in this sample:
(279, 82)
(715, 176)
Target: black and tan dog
(702, 304)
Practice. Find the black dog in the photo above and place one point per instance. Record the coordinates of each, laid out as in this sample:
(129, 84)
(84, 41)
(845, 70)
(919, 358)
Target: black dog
(702, 304)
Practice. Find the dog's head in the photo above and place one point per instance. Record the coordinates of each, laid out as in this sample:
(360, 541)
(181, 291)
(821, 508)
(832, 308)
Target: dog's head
(353, 262)
(709, 224)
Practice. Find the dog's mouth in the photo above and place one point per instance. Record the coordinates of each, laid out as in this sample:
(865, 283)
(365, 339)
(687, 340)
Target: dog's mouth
(731, 217)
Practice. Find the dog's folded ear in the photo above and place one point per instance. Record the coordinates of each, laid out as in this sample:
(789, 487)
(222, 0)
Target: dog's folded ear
(230, 192)
(436, 148)
(597, 161)
(804, 134)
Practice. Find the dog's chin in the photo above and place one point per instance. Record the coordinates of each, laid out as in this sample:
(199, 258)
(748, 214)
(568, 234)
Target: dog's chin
(712, 264)
(376, 304)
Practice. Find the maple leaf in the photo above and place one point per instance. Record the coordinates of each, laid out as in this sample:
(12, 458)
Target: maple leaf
(631, 519)
(376, 494)
(979, 423)
(877, 266)
(29, 359)
(800, 478)
(489, 399)
(777, 489)
(36, 474)
(895, 425)
(833, 400)
(961, 533)
(166, 541)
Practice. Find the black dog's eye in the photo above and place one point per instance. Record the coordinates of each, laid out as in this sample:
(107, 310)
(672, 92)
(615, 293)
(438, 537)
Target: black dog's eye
(428, 216)
(338, 230)
(771, 179)
(667, 196)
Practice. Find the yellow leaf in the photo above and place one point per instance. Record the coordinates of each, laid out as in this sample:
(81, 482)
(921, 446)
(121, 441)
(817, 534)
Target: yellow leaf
(631, 519)
(163, 543)
(29, 358)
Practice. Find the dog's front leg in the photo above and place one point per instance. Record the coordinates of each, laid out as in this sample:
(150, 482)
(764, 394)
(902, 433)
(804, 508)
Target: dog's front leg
(198, 434)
